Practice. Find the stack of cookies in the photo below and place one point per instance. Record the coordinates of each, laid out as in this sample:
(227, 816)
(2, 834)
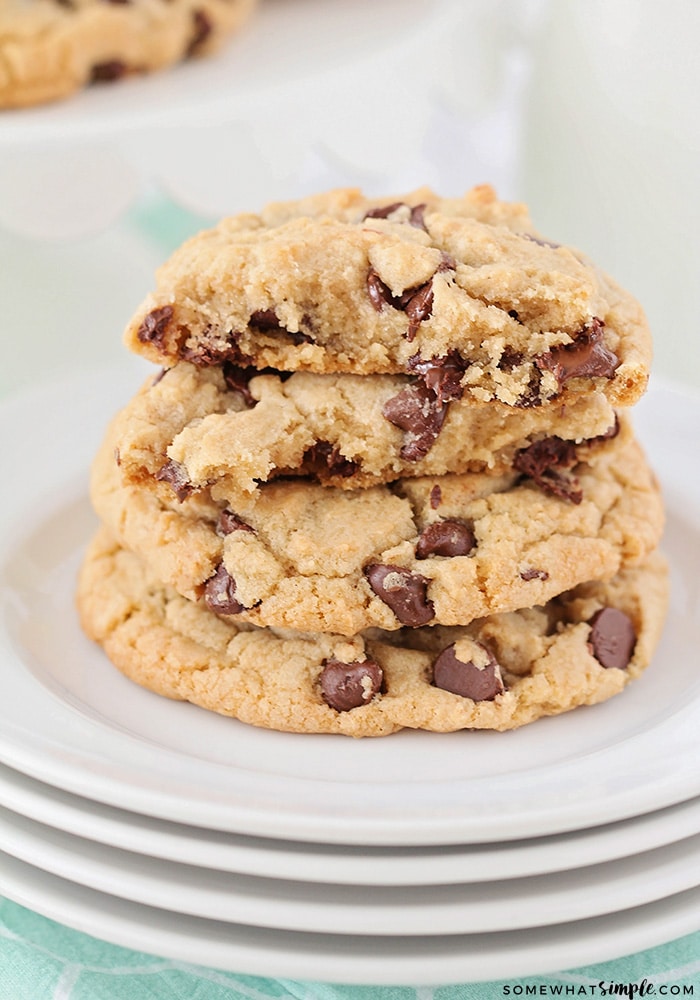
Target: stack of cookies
(386, 477)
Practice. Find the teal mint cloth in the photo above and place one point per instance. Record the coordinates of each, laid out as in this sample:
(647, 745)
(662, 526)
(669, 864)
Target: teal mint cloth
(42, 960)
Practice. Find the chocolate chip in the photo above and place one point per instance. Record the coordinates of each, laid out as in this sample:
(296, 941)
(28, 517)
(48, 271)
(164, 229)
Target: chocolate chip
(435, 497)
(379, 293)
(534, 574)
(220, 593)
(542, 462)
(513, 313)
(532, 395)
(175, 475)
(154, 326)
(613, 638)
(214, 349)
(447, 263)
(237, 379)
(418, 308)
(323, 459)
(466, 679)
(442, 375)
(385, 211)
(417, 218)
(106, 72)
(540, 241)
(201, 29)
(402, 591)
(586, 357)
(417, 411)
(510, 359)
(345, 686)
(417, 303)
(445, 538)
(229, 522)
(265, 320)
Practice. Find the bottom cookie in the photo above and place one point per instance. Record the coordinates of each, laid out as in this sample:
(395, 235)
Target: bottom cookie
(498, 673)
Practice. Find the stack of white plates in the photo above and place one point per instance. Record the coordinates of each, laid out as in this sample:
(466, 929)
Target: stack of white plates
(412, 859)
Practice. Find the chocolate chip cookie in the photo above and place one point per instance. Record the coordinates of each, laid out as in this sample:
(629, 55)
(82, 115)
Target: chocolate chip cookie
(499, 672)
(433, 287)
(237, 429)
(52, 48)
(423, 550)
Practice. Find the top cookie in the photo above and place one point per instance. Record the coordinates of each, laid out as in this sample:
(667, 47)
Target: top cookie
(51, 48)
(344, 283)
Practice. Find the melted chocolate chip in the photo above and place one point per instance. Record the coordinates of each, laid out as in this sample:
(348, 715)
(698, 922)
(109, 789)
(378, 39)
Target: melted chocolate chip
(531, 397)
(345, 686)
(542, 462)
(214, 350)
(220, 593)
(229, 522)
(415, 217)
(106, 72)
(323, 459)
(174, 474)
(417, 303)
(466, 679)
(418, 308)
(447, 263)
(613, 638)
(442, 375)
(435, 497)
(586, 357)
(534, 574)
(154, 326)
(202, 27)
(510, 359)
(417, 411)
(265, 320)
(237, 379)
(385, 211)
(540, 241)
(379, 293)
(402, 591)
(445, 538)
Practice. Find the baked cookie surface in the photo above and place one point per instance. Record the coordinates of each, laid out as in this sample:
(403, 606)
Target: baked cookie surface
(237, 429)
(500, 672)
(51, 48)
(343, 283)
(424, 550)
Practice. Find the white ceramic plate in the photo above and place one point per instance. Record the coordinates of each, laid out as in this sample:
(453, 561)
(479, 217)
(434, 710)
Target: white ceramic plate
(350, 958)
(282, 47)
(68, 718)
(343, 865)
(303, 906)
